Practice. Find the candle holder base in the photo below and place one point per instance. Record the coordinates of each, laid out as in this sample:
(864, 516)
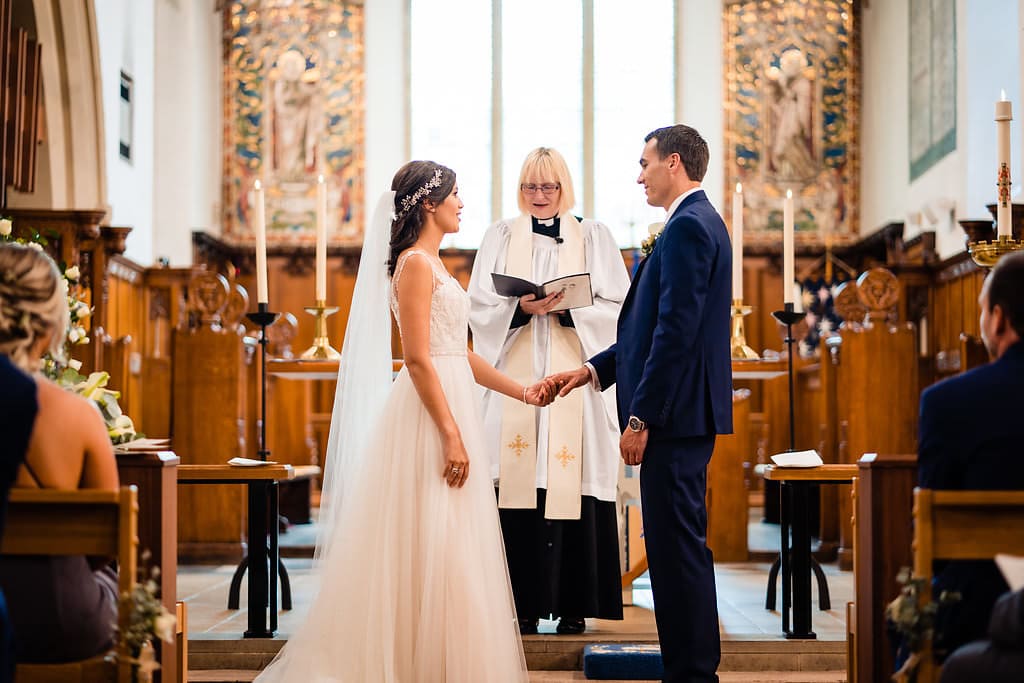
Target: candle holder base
(738, 340)
(987, 253)
(321, 348)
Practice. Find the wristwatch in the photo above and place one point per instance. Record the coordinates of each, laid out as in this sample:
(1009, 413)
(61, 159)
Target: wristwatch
(636, 424)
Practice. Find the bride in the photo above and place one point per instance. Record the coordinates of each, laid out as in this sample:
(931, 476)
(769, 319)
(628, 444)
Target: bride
(413, 581)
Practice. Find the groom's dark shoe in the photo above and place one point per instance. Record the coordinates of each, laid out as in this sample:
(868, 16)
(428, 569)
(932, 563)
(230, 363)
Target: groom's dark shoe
(528, 627)
(570, 626)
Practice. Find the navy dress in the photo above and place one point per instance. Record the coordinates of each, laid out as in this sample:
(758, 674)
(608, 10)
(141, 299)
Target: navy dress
(18, 408)
(59, 608)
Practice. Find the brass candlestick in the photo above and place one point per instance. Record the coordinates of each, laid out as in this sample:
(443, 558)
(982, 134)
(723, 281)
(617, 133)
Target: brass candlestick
(987, 254)
(738, 340)
(321, 348)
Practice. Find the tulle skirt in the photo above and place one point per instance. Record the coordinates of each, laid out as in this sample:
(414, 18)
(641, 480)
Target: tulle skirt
(415, 588)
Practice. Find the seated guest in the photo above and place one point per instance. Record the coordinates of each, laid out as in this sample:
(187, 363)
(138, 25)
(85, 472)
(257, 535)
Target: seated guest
(970, 437)
(1000, 659)
(60, 607)
(17, 415)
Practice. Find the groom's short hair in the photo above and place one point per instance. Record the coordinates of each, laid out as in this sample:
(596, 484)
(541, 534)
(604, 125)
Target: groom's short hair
(687, 143)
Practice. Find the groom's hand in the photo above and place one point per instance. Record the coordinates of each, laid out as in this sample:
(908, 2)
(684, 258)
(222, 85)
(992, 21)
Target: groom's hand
(570, 379)
(632, 446)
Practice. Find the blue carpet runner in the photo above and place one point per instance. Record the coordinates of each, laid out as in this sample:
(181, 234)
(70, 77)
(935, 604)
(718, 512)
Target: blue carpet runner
(622, 661)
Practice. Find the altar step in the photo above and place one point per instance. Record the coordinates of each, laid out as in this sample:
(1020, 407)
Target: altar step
(211, 653)
(242, 676)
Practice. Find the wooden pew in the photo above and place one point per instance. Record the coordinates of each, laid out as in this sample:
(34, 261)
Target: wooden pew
(883, 535)
(961, 525)
(726, 486)
(103, 523)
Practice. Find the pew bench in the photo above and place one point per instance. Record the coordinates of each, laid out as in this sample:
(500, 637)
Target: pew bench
(961, 525)
(81, 522)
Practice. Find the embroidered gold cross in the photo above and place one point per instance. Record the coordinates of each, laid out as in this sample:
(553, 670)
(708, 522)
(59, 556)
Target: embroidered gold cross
(564, 456)
(519, 445)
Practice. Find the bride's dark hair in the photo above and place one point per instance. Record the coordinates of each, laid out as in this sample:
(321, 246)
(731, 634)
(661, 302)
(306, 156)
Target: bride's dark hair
(414, 183)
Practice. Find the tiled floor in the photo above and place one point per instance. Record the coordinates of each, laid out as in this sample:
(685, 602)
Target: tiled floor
(751, 635)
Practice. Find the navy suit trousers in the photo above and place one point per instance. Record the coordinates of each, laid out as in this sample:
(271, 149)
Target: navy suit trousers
(673, 484)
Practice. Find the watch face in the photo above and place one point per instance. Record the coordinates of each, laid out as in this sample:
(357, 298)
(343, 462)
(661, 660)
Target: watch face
(635, 424)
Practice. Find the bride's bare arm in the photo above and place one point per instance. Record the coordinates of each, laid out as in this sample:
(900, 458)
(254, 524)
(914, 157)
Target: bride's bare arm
(415, 287)
(486, 375)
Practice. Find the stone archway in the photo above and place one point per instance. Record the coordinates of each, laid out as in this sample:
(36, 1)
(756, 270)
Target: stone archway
(71, 168)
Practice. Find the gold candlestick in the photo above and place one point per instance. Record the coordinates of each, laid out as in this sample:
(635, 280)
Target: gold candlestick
(321, 348)
(987, 254)
(738, 339)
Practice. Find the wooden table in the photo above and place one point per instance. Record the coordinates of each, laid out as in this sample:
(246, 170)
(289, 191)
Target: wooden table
(263, 558)
(796, 551)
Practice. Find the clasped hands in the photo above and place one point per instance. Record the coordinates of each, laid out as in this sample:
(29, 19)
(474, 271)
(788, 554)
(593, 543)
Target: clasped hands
(631, 444)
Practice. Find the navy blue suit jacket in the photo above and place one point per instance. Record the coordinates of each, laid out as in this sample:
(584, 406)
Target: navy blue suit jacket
(671, 360)
(971, 436)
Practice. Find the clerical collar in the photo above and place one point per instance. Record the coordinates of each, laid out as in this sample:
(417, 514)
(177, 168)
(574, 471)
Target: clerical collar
(549, 227)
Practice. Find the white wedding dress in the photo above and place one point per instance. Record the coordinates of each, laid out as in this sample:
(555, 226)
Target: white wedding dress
(416, 589)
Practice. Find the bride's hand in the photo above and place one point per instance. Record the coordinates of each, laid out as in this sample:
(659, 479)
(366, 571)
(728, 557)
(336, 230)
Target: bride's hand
(456, 461)
(541, 394)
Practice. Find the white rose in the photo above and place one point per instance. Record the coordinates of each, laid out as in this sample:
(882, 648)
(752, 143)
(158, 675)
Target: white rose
(35, 245)
(75, 365)
(73, 335)
(72, 273)
(82, 310)
(5, 227)
(163, 627)
(655, 228)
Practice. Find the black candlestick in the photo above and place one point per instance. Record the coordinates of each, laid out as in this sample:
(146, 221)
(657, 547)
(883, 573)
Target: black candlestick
(264, 318)
(789, 317)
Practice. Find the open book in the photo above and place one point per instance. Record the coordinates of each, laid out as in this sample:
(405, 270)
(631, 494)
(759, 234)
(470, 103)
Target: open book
(576, 289)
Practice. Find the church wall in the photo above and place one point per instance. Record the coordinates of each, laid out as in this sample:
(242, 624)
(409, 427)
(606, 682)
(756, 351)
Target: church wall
(699, 80)
(960, 184)
(187, 114)
(387, 106)
(125, 30)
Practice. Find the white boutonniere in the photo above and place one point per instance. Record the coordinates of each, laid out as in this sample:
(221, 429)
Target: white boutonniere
(654, 231)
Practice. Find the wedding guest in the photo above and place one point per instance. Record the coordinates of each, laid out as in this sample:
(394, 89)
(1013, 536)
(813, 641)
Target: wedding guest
(62, 608)
(970, 437)
(18, 409)
(998, 659)
(556, 467)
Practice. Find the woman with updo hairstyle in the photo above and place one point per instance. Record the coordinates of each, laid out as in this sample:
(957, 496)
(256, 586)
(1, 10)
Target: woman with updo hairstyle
(406, 476)
(61, 608)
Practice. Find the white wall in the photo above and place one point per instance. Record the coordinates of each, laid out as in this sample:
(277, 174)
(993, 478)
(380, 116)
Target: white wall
(700, 81)
(125, 32)
(387, 145)
(987, 60)
(187, 112)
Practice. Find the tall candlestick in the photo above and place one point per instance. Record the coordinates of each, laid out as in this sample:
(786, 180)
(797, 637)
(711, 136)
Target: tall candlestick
(321, 239)
(260, 228)
(787, 248)
(1004, 114)
(737, 243)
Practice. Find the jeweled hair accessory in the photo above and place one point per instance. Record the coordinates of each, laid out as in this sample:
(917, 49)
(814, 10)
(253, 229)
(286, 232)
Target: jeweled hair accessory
(412, 200)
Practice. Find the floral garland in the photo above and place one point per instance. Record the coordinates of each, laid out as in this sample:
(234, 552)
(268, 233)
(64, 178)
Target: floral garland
(65, 371)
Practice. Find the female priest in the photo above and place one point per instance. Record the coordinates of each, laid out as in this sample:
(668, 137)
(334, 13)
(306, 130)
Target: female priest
(556, 468)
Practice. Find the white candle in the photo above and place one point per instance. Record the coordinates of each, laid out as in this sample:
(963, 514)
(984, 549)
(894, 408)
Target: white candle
(260, 228)
(321, 239)
(1004, 114)
(787, 248)
(737, 243)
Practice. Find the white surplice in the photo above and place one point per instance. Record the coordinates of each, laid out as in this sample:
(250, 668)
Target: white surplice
(491, 315)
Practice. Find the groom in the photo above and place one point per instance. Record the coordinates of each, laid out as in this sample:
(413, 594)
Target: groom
(674, 375)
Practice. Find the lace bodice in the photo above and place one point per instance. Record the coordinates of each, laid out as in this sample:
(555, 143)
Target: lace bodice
(449, 307)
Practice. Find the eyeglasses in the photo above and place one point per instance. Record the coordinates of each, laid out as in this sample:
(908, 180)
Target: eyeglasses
(546, 188)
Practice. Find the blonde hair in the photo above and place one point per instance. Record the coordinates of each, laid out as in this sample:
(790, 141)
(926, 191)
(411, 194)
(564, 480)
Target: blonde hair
(545, 163)
(33, 303)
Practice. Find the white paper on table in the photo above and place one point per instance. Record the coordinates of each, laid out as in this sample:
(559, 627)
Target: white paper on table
(798, 459)
(250, 462)
(1012, 567)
